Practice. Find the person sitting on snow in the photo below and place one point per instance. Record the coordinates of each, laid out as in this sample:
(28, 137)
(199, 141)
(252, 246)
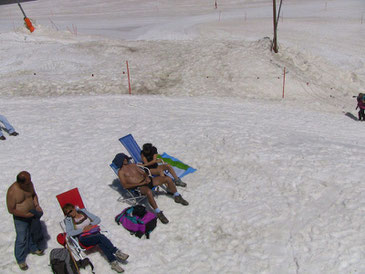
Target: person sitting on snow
(149, 158)
(131, 177)
(361, 106)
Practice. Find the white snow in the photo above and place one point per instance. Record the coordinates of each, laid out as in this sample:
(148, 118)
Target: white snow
(279, 186)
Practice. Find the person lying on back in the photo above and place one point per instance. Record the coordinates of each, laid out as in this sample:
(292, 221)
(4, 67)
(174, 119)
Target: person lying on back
(131, 177)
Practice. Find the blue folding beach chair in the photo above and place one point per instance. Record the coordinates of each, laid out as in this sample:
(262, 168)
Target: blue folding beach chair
(132, 147)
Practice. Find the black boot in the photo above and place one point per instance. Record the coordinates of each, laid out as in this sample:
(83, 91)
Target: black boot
(361, 115)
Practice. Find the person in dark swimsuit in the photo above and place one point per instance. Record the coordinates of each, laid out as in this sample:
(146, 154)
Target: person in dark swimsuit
(149, 157)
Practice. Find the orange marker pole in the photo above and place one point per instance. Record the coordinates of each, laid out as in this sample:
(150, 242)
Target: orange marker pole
(129, 79)
(29, 24)
(283, 83)
(26, 19)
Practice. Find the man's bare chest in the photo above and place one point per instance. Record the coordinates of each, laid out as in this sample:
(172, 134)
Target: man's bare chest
(22, 196)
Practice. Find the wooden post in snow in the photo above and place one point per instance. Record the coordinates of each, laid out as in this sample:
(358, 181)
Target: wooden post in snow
(275, 45)
(283, 83)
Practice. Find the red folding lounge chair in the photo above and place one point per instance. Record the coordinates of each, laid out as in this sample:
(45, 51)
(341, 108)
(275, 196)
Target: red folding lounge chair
(73, 197)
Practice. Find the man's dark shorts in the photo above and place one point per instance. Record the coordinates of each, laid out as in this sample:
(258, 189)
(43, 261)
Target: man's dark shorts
(150, 184)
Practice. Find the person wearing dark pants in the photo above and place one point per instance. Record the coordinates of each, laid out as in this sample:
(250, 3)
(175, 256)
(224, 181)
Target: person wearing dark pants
(84, 225)
(22, 202)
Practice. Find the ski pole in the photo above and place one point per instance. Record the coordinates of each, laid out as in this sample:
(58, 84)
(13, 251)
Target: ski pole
(26, 19)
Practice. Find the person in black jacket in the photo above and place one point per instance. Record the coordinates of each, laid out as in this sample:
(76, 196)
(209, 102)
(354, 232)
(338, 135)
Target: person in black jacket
(361, 105)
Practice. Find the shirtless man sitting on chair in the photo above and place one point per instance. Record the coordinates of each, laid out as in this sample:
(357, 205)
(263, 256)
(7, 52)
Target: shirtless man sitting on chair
(131, 176)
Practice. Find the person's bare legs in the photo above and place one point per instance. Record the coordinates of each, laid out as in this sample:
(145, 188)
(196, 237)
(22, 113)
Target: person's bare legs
(161, 180)
(159, 171)
(171, 187)
(145, 190)
(170, 169)
(177, 180)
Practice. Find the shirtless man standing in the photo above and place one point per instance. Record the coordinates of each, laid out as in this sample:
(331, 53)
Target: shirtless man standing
(22, 200)
(131, 176)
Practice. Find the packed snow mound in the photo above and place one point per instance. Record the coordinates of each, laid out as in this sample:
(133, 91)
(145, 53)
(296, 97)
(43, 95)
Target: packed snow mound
(50, 62)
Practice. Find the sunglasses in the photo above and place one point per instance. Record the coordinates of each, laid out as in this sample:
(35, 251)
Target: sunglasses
(68, 213)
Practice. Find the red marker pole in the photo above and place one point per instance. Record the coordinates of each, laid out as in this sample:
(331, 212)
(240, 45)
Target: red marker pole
(129, 79)
(283, 83)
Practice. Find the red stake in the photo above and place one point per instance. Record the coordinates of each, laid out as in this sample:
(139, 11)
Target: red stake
(129, 79)
(283, 83)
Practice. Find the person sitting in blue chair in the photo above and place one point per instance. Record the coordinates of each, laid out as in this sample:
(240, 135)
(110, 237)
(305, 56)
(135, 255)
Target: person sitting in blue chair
(131, 176)
(150, 160)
